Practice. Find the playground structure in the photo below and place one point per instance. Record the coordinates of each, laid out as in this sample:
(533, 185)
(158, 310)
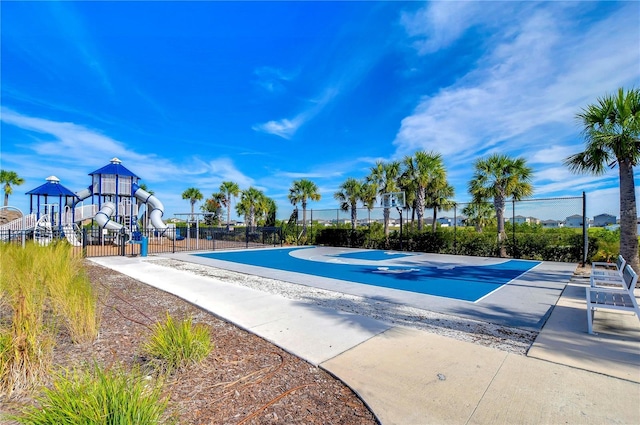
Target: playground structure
(115, 203)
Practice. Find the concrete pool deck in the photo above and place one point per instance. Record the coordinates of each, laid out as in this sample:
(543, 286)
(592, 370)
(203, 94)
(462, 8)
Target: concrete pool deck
(408, 376)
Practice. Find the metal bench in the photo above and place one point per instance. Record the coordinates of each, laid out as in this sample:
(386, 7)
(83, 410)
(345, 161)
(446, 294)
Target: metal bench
(621, 297)
(603, 271)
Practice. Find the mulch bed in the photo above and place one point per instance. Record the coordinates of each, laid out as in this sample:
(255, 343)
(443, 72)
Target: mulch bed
(245, 380)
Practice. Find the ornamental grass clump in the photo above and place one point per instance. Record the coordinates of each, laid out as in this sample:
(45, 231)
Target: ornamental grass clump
(41, 289)
(97, 396)
(176, 345)
(73, 298)
(26, 340)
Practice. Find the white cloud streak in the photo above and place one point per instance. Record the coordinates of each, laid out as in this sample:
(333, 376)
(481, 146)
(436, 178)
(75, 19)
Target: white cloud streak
(71, 151)
(538, 69)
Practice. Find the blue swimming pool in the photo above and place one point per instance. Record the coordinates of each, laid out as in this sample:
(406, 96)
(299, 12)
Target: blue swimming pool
(462, 282)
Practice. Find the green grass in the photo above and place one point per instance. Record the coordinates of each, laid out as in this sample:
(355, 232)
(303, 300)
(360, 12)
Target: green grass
(176, 345)
(96, 396)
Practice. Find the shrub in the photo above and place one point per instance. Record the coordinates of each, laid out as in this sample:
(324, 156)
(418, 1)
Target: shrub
(97, 396)
(175, 345)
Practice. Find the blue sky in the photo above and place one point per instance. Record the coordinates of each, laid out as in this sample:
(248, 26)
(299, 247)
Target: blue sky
(190, 94)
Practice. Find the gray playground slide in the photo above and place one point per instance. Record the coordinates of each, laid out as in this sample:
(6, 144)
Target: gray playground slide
(154, 204)
(108, 210)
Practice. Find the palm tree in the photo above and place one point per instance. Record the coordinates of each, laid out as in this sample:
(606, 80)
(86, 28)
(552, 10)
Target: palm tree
(249, 205)
(349, 194)
(229, 189)
(368, 196)
(424, 169)
(301, 191)
(267, 210)
(438, 196)
(408, 185)
(193, 195)
(611, 129)
(385, 178)
(498, 177)
(213, 208)
(479, 214)
(9, 178)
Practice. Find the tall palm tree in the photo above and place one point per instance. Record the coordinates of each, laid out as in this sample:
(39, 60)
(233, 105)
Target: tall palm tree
(349, 194)
(213, 208)
(611, 129)
(498, 177)
(9, 179)
(230, 190)
(368, 196)
(408, 185)
(249, 205)
(267, 210)
(438, 197)
(424, 169)
(385, 178)
(479, 214)
(300, 192)
(193, 195)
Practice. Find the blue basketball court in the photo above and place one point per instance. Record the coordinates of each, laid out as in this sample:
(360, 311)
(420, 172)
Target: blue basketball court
(512, 292)
(388, 269)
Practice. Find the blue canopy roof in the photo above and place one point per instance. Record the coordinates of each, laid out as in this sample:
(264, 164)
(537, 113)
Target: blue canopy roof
(52, 188)
(114, 167)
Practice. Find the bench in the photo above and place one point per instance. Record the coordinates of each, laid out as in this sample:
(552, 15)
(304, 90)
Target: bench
(603, 271)
(620, 298)
(608, 274)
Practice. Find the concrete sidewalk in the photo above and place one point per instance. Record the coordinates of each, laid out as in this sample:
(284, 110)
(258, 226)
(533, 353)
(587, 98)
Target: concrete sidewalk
(408, 376)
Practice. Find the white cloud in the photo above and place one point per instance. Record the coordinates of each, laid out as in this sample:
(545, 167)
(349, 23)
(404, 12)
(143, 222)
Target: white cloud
(272, 79)
(71, 151)
(440, 24)
(284, 128)
(539, 68)
(551, 154)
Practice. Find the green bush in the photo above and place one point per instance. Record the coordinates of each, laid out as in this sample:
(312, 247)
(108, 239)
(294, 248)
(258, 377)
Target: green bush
(97, 397)
(470, 242)
(175, 345)
(342, 237)
(529, 242)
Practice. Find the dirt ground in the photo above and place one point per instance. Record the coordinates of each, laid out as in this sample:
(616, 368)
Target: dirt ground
(245, 380)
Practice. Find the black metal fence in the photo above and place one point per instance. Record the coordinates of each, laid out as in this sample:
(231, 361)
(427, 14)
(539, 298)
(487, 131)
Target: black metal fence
(98, 242)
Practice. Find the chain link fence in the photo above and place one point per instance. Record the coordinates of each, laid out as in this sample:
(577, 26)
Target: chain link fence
(552, 229)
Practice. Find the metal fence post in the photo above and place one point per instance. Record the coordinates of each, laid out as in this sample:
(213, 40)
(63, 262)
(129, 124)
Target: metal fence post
(455, 229)
(513, 225)
(84, 242)
(585, 234)
(122, 246)
(311, 225)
